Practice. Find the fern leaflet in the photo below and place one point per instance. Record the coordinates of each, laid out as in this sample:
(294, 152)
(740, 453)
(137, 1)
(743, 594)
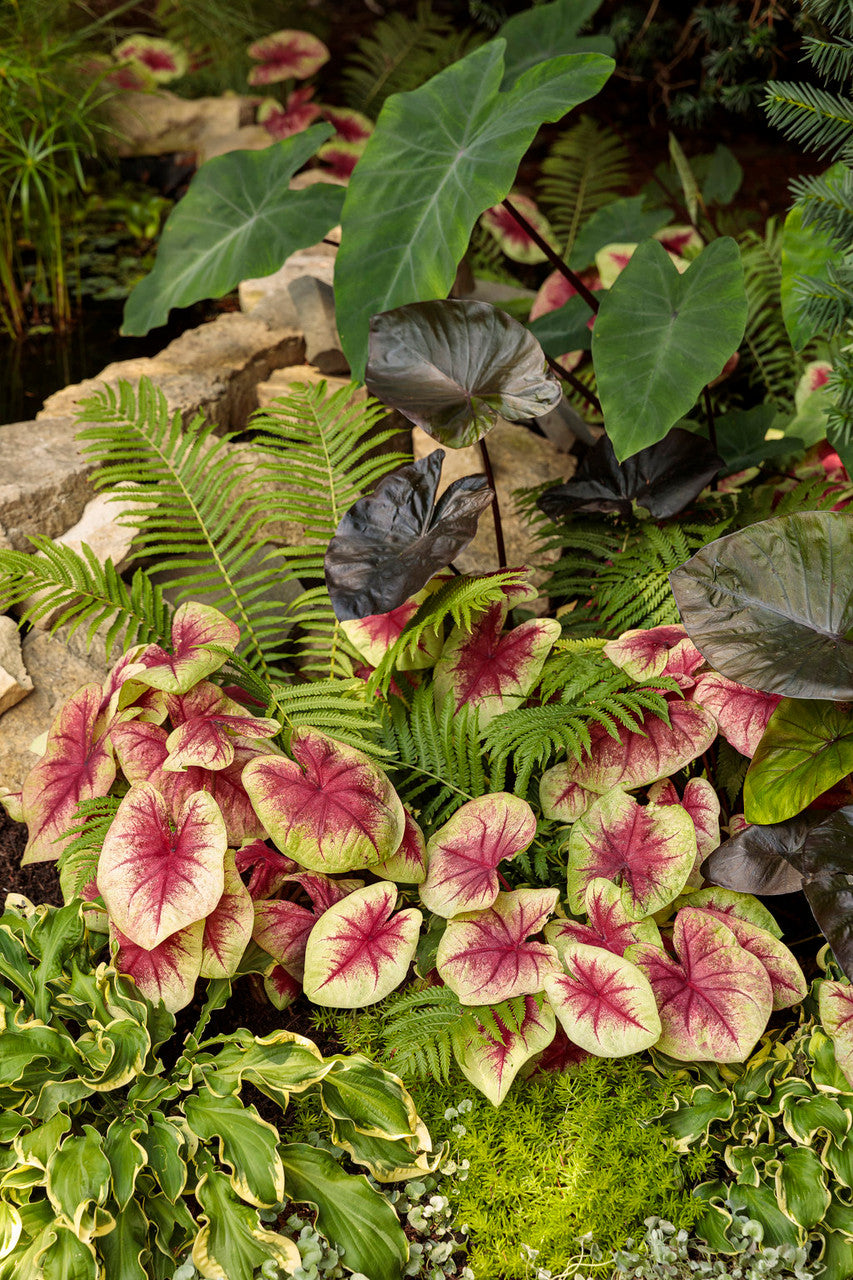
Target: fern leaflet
(585, 169)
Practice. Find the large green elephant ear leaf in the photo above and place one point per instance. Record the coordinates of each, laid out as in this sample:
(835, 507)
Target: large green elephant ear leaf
(660, 337)
(547, 31)
(239, 219)
(440, 156)
(771, 606)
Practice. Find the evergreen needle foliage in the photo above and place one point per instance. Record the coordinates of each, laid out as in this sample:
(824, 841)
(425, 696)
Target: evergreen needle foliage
(585, 169)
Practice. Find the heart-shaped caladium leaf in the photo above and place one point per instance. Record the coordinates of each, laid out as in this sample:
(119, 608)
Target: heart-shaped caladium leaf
(281, 989)
(604, 1002)
(374, 635)
(199, 635)
(835, 1006)
(656, 651)
(268, 869)
(452, 367)
(228, 928)
(286, 55)
(483, 668)
(487, 956)
(463, 855)
(390, 543)
(156, 876)
(714, 999)
(700, 800)
(409, 864)
(650, 850)
(207, 724)
(77, 765)
(330, 808)
(360, 950)
(633, 759)
(741, 713)
(663, 479)
(515, 242)
(167, 972)
(771, 606)
(786, 977)
(163, 59)
(282, 927)
(492, 1057)
(614, 922)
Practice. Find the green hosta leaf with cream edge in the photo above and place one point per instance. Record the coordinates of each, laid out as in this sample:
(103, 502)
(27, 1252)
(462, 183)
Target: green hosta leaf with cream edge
(330, 808)
(806, 749)
(463, 855)
(491, 1057)
(835, 1000)
(604, 1002)
(360, 950)
(488, 956)
(231, 1243)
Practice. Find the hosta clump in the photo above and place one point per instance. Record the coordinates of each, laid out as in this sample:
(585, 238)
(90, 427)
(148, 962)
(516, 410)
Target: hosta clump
(115, 1165)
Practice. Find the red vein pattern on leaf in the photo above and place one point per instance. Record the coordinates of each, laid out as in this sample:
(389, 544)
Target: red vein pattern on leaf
(594, 990)
(464, 854)
(487, 957)
(491, 665)
(742, 713)
(267, 866)
(635, 850)
(605, 928)
(167, 971)
(365, 938)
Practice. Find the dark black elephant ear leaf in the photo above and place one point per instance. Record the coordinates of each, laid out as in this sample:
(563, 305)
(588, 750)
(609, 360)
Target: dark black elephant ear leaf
(762, 859)
(452, 367)
(664, 478)
(771, 606)
(831, 901)
(828, 850)
(390, 543)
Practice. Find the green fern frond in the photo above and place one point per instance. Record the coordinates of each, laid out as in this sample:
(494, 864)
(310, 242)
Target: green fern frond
(826, 302)
(730, 769)
(815, 118)
(827, 205)
(340, 708)
(831, 59)
(86, 593)
(771, 362)
(418, 1032)
(585, 169)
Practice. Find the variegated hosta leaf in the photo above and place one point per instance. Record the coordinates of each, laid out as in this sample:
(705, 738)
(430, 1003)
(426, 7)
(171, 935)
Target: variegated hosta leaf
(409, 864)
(77, 765)
(167, 972)
(78, 1184)
(483, 668)
(278, 1064)
(656, 651)
(649, 849)
(156, 876)
(614, 922)
(835, 1002)
(715, 999)
(359, 950)
(634, 759)
(247, 1144)
(701, 802)
(463, 855)
(741, 713)
(330, 807)
(487, 956)
(206, 726)
(231, 1242)
(490, 1058)
(228, 928)
(198, 632)
(604, 1002)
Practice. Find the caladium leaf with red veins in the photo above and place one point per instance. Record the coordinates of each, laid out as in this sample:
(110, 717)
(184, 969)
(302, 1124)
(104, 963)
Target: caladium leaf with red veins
(701, 802)
(166, 972)
(409, 864)
(493, 672)
(741, 713)
(714, 999)
(206, 727)
(561, 1054)
(121, 690)
(282, 929)
(269, 868)
(341, 157)
(612, 260)
(628, 761)
(556, 291)
(359, 950)
(678, 239)
(515, 242)
(614, 922)
(728, 902)
(835, 1006)
(294, 117)
(162, 59)
(228, 928)
(374, 635)
(463, 855)
(286, 55)
(155, 876)
(487, 956)
(492, 1057)
(198, 632)
(330, 807)
(77, 764)
(650, 850)
(281, 988)
(350, 125)
(322, 890)
(656, 651)
(604, 1002)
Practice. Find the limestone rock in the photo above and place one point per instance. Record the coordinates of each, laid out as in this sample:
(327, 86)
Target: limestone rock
(314, 301)
(44, 482)
(281, 381)
(155, 124)
(15, 682)
(268, 297)
(5, 543)
(520, 459)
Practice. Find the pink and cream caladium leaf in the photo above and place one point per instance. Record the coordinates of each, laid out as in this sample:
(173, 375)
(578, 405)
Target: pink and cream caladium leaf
(409, 864)
(78, 764)
(835, 1007)
(268, 869)
(515, 242)
(490, 1058)
(482, 668)
(632, 759)
(157, 876)
(282, 926)
(163, 60)
(341, 157)
(207, 723)
(714, 999)
(656, 651)
(741, 713)
(604, 1002)
(330, 808)
(281, 989)
(614, 922)
(198, 634)
(680, 239)
(360, 949)
(375, 635)
(487, 956)
(463, 855)
(294, 117)
(649, 849)
(349, 125)
(228, 928)
(700, 800)
(167, 972)
(286, 55)
(729, 902)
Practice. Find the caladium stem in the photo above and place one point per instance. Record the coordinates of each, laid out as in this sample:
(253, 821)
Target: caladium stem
(553, 257)
(581, 387)
(496, 506)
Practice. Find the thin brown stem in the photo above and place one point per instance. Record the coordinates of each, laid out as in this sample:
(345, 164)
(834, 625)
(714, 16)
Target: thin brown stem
(581, 387)
(553, 257)
(496, 508)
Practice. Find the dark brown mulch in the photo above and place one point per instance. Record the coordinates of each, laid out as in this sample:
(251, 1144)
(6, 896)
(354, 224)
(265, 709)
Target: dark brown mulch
(39, 882)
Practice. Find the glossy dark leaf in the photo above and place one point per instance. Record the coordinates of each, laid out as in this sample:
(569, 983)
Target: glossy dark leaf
(390, 543)
(663, 478)
(763, 859)
(829, 848)
(453, 366)
(831, 901)
(771, 606)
